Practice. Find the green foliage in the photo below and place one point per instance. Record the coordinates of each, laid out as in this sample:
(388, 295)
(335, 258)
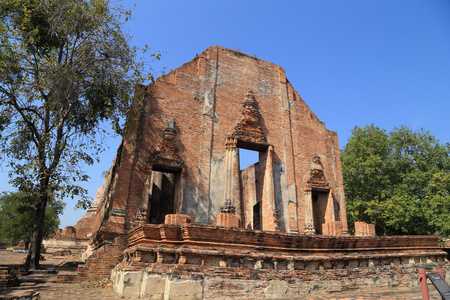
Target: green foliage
(66, 69)
(437, 203)
(17, 212)
(399, 181)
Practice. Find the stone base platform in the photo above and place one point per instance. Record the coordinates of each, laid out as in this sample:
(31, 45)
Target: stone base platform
(204, 262)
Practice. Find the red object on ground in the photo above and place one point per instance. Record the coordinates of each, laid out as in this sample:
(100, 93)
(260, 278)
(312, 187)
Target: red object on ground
(423, 284)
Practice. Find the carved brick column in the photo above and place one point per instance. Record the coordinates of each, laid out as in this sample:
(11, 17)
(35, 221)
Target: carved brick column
(142, 213)
(309, 226)
(269, 213)
(291, 209)
(236, 181)
(231, 210)
(232, 178)
(330, 208)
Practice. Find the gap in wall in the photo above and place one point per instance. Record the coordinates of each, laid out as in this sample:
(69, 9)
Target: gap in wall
(247, 158)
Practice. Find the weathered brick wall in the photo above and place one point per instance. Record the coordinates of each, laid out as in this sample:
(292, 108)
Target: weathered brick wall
(106, 202)
(102, 261)
(332, 228)
(205, 98)
(364, 229)
(7, 277)
(210, 262)
(178, 219)
(190, 123)
(85, 226)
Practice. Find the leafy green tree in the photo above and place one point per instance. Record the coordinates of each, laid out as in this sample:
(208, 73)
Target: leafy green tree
(17, 211)
(66, 70)
(437, 203)
(399, 181)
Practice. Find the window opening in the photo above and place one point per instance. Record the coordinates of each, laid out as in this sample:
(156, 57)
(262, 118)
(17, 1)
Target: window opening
(247, 158)
(251, 187)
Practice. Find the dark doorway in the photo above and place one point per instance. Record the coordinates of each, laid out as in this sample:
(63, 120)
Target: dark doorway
(161, 198)
(257, 216)
(319, 206)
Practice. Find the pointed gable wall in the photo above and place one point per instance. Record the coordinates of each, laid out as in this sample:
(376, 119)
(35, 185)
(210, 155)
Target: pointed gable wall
(205, 98)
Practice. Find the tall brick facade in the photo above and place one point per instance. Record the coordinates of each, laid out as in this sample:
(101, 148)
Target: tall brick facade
(190, 124)
(176, 203)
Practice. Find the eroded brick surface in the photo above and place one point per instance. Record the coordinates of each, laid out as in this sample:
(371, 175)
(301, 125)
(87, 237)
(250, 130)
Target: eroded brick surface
(187, 122)
(177, 211)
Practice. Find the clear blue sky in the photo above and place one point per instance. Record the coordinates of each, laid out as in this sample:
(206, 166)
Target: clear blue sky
(353, 62)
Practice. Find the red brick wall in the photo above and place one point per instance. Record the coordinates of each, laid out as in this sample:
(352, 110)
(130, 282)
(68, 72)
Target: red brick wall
(220, 78)
(364, 229)
(226, 260)
(102, 261)
(177, 219)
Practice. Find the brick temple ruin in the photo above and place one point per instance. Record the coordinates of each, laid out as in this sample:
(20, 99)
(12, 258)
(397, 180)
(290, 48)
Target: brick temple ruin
(178, 219)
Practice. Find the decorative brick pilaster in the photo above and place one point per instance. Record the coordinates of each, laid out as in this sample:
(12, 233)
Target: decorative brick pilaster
(309, 226)
(269, 213)
(364, 229)
(333, 228)
(177, 219)
(232, 178)
(228, 220)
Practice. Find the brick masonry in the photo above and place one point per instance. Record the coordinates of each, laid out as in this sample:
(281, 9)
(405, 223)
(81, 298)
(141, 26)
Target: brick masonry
(283, 217)
(7, 277)
(364, 229)
(208, 103)
(105, 258)
(220, 262)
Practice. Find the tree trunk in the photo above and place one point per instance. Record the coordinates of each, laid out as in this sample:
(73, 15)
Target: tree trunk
(32, 261)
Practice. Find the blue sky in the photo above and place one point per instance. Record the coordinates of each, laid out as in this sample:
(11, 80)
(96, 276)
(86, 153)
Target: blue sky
(353, 62)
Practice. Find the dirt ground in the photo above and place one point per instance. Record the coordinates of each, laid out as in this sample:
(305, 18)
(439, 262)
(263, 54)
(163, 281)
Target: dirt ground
(44, 286)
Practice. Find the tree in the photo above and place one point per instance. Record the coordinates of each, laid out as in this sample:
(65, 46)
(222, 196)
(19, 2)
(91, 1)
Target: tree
(398, 181)
(65, 70)
(17, 211)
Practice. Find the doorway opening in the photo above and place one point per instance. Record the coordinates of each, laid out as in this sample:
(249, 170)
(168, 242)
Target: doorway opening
(319, 207)
(251, 187)
(247, 158)
(162, 196)
(257, 216)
